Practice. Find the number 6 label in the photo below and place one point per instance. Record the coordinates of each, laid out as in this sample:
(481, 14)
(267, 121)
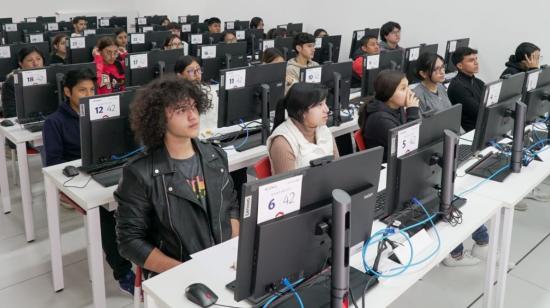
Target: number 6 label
(104, 107)
(279, 198)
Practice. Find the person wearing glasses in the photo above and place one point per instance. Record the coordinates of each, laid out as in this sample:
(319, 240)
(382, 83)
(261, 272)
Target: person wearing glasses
(430, 69)
(173, 42)
(110, 66)
(390, 35)
(189, 68)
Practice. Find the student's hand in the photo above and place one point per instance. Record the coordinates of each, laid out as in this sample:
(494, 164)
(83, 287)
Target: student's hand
(289, 80)
(531, 61)
(411, 100)
(95, 52)
(122, 50)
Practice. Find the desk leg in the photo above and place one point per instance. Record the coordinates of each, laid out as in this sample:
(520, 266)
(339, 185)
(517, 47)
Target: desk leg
(149, 302)
(26, 197)
(4, 184)
(52, 211)
(96, 255)
(505, 240)
(490, 269)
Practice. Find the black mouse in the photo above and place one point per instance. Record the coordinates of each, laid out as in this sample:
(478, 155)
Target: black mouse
(201, 295)
(6, 122)
(70, 171)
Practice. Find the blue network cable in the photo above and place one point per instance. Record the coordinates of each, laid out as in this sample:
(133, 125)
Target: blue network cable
(274, 297)
(484, 180)
(291, 287)
(134, 152)
(246, 138)
(384, 232)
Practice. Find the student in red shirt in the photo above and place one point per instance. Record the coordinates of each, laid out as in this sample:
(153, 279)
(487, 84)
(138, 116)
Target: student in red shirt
(110, 66)
(369, 46)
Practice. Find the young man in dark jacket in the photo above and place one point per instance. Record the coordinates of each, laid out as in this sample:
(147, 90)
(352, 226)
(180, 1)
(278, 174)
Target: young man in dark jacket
(526, 58)
(177, 198)
(61, 136)
(465, 88)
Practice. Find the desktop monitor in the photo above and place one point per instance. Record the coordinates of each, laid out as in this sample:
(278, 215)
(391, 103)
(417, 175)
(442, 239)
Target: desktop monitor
(143, 67)
(8, 56)
(254, 39)
(537, 95)
(113, 22)
(292, 243)
(6, 20)
(327, 49)
(15, 33)
(199, 27)
(284, 44)
(149, 40)
(358, 35)
(46, 19)
(155, 19)
(80, 47)
(66, 26)
(411, 57)
(292, 29)
(92, 22)
(188, 19)
(373, 64)
(237, 25)
(452, 45)
(106, 30)
(221, 56)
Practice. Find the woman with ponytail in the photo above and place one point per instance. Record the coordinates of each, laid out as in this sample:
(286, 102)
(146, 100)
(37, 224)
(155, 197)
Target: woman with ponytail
(526, 58)
(304, 135)
(109, 61)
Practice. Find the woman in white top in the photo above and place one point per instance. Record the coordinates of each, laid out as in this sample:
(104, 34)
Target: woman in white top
(304, 135)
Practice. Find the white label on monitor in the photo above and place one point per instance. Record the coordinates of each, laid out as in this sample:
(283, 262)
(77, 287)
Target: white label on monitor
(185, 48)
(360, 34)
(5, 52)
(318, 42)
(138, 61)
(313, 75)
(34, 77)
(137, 38)
(532, 80)
(77, 42)
(30, 19)
(494, 93)
(36, 38)
(142, 21)
(208, 52)
(104, 22)
(240, 35)
(235, 79)
(104, 107)
(230, 25)
(53, 26)
(89, 32)
(186, 28)
(268, 44)
(407, 139)
(373, 62)
(147, 29)
(10, 27)
(247, 211)
(452, 46)
(82, 110)
(279, 198)
(414, 53)
(182, 19)
(196, 39)
(282, 27)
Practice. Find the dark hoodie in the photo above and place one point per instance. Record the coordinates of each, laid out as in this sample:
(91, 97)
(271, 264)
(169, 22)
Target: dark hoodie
(378, 119)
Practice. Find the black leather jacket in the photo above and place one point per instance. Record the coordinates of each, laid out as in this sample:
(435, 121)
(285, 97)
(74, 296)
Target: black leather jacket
(157, 208)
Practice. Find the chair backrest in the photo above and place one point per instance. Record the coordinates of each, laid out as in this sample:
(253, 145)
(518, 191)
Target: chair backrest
(358, 136)
(263, 168)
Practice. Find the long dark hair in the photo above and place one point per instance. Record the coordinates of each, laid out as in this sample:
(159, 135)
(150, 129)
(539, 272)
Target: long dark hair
(426, 63)
(300, 97)
(524, 49)
(271, 54)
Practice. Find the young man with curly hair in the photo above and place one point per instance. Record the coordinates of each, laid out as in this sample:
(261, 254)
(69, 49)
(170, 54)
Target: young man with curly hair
(177, 198)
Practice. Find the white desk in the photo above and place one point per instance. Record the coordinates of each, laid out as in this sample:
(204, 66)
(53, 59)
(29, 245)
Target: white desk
(18, 135)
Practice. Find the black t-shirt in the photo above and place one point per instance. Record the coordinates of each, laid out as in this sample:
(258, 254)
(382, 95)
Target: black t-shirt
(191, 169)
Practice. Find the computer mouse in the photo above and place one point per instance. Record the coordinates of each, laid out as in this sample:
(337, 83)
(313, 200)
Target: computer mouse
(6, 122)
(201, 295)
(70, 171)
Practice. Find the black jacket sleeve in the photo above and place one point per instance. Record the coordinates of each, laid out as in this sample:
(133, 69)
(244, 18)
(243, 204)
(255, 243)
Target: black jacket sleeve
(53, 143)
(413, 113)
(230, 195)
(8, 98)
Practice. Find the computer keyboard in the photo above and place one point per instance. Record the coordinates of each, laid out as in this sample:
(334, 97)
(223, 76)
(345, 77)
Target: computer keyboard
(30, 120)
(464, 153)
(34, 127)
(101, 167)
(380, 206)
(108, 178)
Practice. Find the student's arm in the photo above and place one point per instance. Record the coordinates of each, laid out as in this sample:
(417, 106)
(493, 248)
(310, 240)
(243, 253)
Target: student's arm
(53, 143)
(8, 98)
(413, 113)
(159, 262)
(234, 227)
(281, 155)
(335, 149)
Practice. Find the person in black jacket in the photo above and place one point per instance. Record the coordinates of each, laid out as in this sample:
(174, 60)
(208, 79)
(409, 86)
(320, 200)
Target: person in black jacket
(59, 49)
(465, 88)
(177, 198)
(526, 58)
(394, 104)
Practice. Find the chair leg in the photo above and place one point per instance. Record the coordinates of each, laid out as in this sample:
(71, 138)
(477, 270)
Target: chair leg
(138, 295)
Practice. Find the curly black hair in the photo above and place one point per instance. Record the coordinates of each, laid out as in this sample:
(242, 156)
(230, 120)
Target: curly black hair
(147, 114)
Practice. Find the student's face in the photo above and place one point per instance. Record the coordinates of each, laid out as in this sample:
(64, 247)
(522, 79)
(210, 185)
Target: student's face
(230, 38)
(438, 74)
(469, 65)
(32, 60)
(165, 22)
(394, 36)
(109, 54)
(61, 47)
(260, 25)
(316, 115)
(399, 96)
(80, 26)
(175, 43)
(122, 39)
(175, 32)
(306, 50)
(183, 122)
(372, 47)
(322, 34)
(84, 88)
(192, 72)
(215, 28)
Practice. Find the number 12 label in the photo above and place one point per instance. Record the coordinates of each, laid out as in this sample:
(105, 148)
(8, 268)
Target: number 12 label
(104, 107)
(279, 198)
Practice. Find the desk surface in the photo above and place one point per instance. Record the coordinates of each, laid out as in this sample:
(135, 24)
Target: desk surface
(17, 134)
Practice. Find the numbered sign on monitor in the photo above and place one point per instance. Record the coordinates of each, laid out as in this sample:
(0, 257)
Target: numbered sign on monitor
(104, 107)
(5, 52)
(313, 75)
(104, 22)
(268, 44)
(182, 19)
(208, 52)
(10, 27)
(196, 39)
(235, 79)
(494, 93)
(407, 139)
(34, 77)
(372, 62)
(360, 34)
(186, 28)
(138, 61)
(142, 21)
(53, 27)
(77, 42)
(452, 46)
(279, 198)
(240, 35)
(230, 25)
(137, 38)
(414, 53)
(318, 42)
(89, 32)
(36, 38)
(532, 80)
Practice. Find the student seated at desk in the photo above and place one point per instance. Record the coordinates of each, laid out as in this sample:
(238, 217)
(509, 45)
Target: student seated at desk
(121, 39)
(367, 46)
(465, 88)
(320, 33)
(165, 21)
(59, 50)
(390, 35)
(229, 37)
(172, 42)
(394, 104)
(177, 198)
(214, 25)
(526, 58)
(304, 135)
(430, 69)
(189, 68)
(79, 24)
(110, 66)
(257, 23)
(304, 45)
(174, 28)
(272, 55)
(27, 57)
(61, 136)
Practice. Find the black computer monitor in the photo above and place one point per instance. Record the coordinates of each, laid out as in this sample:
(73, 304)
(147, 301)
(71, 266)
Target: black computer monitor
(327, 49)
(452, 45)
(66, 26)
(15, 33)
(292, 28)
(254, 39)
(41, 19)
(237, 25)
(8, 56)
(358, 35)
(226, 56)
(411, 57)
(108, 30)
(113, 22)
(199, 27)
(188, 19)
(149, 40)
(39, 92)
(293, 245)
(195, 40)
(156, 64)
(155, 19)
(336, 77)
(6, 20)
(537, 95)
(80, 47)
(283, 44)
(374, 64)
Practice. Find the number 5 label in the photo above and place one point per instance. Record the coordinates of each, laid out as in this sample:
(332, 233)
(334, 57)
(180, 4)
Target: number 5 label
(407, 139)
(104, 107)
(279, 198)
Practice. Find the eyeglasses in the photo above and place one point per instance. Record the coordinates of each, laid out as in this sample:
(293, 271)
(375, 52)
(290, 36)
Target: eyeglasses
(194, 71)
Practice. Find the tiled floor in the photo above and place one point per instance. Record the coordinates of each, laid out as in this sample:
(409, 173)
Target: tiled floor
(25, 278)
